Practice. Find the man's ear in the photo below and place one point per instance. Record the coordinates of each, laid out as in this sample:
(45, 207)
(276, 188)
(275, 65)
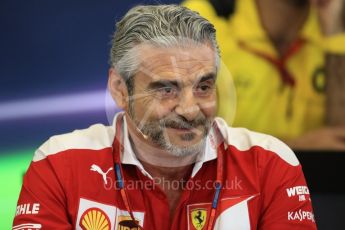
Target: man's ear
(118, 89)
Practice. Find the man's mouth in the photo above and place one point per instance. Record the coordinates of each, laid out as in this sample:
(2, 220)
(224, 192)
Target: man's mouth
(182, 129)
(185, 130)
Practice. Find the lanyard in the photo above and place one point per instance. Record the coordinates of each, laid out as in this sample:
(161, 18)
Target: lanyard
(118, 151)
(280, 64)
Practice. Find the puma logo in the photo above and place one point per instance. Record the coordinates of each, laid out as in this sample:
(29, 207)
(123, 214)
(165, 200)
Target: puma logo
(96, 168)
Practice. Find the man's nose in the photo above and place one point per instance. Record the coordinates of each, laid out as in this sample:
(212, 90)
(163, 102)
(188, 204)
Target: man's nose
(188, 106)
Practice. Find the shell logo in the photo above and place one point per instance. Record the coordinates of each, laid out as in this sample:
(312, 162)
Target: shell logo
(94, 219)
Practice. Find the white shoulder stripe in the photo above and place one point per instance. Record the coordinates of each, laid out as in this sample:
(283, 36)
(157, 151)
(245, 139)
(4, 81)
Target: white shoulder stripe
(27, 226)
(95, 137)
(243, 139)
(99, 137)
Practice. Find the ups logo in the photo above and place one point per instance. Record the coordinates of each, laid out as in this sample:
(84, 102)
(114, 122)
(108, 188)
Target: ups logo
(126, 223)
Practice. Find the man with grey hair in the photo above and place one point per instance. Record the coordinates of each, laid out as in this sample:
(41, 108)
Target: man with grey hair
(166, 162)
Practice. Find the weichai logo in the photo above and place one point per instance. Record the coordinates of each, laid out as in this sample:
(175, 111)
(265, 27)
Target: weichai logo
(300, 191)
(126, 223)
(297, 190)
(94, 219)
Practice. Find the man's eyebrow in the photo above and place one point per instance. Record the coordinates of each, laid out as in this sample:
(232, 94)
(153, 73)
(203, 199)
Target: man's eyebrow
(162, 83)
(168, 83)
(208, 76)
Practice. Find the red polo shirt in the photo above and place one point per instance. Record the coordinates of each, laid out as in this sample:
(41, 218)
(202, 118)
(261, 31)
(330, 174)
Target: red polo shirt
(71, 184)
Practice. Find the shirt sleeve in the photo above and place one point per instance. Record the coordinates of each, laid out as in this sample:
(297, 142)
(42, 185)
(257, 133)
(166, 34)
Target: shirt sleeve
(334, 44)
(286, 198)
(42, 201)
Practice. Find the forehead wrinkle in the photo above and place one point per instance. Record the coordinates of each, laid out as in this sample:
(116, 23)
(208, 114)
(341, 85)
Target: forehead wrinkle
(199, 54)
(182, 80)
(165, 61)
(186, 67)
(188, 72)
(172, 64)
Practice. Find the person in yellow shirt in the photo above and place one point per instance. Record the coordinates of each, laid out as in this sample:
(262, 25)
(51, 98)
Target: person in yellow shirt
(281, 53)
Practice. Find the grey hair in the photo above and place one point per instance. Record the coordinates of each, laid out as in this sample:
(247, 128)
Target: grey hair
(159, 25)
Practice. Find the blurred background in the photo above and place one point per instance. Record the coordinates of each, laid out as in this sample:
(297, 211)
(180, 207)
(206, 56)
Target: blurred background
(53, 76)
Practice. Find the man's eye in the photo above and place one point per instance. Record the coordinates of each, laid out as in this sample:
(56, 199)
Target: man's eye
(204, 89)
(166, 92)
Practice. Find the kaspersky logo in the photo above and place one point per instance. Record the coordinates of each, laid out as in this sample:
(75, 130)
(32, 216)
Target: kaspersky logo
(94, 219)
(301, 215)
(199, 217)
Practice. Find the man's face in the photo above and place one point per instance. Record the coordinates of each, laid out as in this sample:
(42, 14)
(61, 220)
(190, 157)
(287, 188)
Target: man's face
(174, 99)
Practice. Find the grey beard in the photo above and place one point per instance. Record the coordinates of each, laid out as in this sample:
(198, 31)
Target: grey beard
(155, 132)
(186, 151)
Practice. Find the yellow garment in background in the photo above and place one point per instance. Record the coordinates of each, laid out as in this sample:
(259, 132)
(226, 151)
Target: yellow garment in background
(264, 103)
